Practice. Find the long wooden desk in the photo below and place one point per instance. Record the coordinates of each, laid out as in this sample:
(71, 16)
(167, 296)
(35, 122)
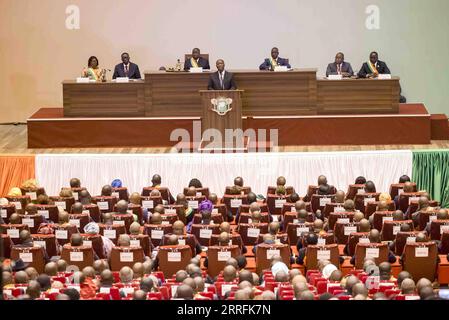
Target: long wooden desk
(267, 94)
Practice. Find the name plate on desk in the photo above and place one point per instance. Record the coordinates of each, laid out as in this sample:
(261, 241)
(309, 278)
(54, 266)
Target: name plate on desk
(280, 68)
(335, 77)
(82, 80)
(122, 79)
(384, 77)
(196, 70)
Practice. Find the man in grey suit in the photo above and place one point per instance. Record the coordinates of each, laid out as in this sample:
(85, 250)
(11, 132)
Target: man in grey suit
(221, 80)
(340, 67)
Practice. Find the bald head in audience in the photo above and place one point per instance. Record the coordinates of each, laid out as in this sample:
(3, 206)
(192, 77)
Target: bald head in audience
(122, 207)
(21, 277)
(126, 274)
(349, 205)
(178, 228)
(172, 240)
(340, 196)
(32, 273)
(134, 228)
(76, 240)
(358, 216)
(364, 225)
(124, 240)
(106, 191)
(232, 262)
(51, 269)
(213, 198)
(374, 236)
(156, 218)
(245, 275)
(181, 275)
(185, 292)
(408, 286)
(33, 289)
(135, 198)
(223, 239)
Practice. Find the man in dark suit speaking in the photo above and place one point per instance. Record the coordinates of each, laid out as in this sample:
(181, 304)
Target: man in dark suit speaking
(126, 69)
(373, 67)
(221, 80)
(274, 61)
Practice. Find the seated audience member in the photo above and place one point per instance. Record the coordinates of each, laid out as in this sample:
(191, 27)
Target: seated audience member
(405, 178)
(126, 69)
(274, 61)
(195, 183)
(93, 228)
(370, 187)
(360, 180)
(340, 67)
(374, 237)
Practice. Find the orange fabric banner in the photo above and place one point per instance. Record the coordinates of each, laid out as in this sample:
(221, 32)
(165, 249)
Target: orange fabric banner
(15, 169)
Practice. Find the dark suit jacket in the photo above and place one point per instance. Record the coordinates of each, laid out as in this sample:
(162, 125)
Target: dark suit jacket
(380, 65)
(228, 82)
(203, 63)
(266, 65)
(133, 72)
(345, 67)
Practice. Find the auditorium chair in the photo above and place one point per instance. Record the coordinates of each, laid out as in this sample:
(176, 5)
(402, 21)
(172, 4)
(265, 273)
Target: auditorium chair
(406, 198)
(444, 246)
(112, 231)
(186, 239)
(296, 230)
(199, 192)
(278, 238)
(426, 217)
(149, 202)
(332, 207)
(397, 188)
(165, 193)
(188, 56)
(391, 228)
(437, 227)
(275, 203)
(65, 203)
(82, 256)
(126, 257)
(33, 256)
(169, 218)
(20, 202)
(13, 231)
(377, 251)
(379, 217)
(6, 244)
(105, 203)
(361, 200)
(135, 209)
(221, 209)
(245, 190)
(217, 218)
(177, 209)
(76, 191)
(288, 190)
(80, 220)
(6, 211)
(335, 217)
(342, 231)
(94, 211)
(194, 202)
(246, 218)
(203, 232)
(354, 239)
(47, 241)
(143, 241)
(315, 253)
(33, 221)
(123, 220)
(371, 207)
(413, 207)
(250, 232)
(292, 217)
(33, 193)
(50, 212)
(156, 232)
(173, 258)
(233, 202)
(244, 208)
(318, 202)
(122, 193)
(402, 238)
(420, 259)
(266, 252)
(95, 242)
(217, 257)
(353, 190)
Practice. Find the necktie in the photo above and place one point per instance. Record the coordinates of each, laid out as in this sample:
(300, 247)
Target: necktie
(221, 81)
(126, 70)
(339, 68)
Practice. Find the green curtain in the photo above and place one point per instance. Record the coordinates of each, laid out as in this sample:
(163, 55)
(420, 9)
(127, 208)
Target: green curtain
(431, 173)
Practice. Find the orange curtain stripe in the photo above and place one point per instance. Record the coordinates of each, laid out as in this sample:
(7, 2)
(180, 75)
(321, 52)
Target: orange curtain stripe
(14, 170)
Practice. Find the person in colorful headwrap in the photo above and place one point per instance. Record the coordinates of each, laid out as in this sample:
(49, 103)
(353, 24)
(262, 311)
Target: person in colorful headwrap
(373, 67)
(93, 72)
(205, 209)
(93, 228)
(196, 61)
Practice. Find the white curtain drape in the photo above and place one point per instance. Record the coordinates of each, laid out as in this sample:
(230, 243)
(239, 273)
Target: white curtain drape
(216, 171)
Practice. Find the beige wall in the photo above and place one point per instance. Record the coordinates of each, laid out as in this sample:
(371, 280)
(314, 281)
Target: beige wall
(38, 52)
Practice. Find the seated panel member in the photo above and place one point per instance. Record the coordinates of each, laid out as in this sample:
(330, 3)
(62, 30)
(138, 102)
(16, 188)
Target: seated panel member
(93, 71)
(196, 61)
(126, 69)
(373, 67)
(221, 80)
(340, 67)
(274, 61)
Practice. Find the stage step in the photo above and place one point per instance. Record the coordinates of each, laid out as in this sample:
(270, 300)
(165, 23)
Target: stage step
(439, 127)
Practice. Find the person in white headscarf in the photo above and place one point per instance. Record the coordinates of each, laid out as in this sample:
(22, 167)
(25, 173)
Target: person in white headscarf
(93, 228)
(328, 269)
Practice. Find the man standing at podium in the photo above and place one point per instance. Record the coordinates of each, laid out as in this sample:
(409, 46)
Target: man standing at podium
(373, 67)
(274, 61)
(126, 69)
(196, 61)
(221, 80)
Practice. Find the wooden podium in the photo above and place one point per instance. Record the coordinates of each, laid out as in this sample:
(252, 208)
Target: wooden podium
(222, 115)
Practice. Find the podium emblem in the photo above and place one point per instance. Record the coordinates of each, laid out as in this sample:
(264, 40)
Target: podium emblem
(221, 105)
